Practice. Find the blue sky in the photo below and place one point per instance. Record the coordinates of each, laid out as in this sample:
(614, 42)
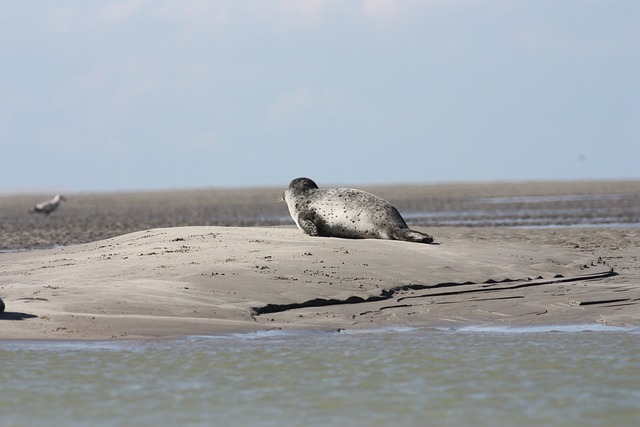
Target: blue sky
(141, 94)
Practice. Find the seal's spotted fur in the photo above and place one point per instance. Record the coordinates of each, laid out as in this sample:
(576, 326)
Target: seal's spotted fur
(346, 212)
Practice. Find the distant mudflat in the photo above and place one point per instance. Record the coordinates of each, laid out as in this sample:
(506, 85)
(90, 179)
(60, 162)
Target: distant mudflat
(89, 217)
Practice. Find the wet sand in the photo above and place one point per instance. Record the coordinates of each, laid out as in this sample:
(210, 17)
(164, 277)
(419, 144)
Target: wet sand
(200, 277)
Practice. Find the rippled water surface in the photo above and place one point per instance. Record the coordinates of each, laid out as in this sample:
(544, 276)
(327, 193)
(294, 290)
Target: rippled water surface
(579, 376)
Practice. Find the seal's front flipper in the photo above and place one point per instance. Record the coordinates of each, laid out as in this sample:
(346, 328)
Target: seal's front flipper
(409, 235)
(305, 222)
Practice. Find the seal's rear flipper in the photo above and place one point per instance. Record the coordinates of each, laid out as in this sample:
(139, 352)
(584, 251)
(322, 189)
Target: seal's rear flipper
(307, 225)
(409, 235)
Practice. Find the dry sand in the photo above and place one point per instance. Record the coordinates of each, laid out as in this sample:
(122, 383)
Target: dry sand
(180, 281)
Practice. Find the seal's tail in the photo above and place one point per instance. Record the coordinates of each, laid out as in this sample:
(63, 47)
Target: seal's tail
(409, 235)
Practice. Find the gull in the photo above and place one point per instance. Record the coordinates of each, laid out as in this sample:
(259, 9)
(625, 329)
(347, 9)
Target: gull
(49, 206)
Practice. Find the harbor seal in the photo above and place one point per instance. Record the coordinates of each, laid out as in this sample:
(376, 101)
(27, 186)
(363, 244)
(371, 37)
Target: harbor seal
(346, 212)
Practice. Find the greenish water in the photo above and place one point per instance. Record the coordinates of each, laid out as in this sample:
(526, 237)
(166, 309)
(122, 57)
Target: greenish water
(575, 376)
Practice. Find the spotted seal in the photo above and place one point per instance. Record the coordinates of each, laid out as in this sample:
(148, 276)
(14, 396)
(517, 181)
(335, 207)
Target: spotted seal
(346, 212)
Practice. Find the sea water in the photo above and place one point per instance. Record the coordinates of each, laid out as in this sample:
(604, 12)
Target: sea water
(586, 375)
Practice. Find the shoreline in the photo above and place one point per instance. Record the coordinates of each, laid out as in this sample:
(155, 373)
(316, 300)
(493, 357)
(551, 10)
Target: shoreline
(588, 328)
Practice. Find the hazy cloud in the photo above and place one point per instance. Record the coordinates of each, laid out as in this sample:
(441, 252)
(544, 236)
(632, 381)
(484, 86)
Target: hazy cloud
(289, 107)
(119, 11)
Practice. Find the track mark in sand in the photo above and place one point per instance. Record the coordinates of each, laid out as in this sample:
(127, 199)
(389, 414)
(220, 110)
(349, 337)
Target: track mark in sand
(487, 287)
(497, 298)
(516, 285)
(317, 302)
(387, 307)
(594, 302)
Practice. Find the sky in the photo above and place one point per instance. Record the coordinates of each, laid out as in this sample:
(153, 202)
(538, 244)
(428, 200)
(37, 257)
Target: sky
(169, 94)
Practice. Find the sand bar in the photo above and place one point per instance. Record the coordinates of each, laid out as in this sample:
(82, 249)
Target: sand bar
(180, 281)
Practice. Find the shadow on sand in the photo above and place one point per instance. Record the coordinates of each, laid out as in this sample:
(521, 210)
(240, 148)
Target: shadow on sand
(8, 315)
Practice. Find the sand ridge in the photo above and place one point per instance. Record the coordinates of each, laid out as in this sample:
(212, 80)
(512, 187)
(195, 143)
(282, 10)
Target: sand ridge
(209, 279)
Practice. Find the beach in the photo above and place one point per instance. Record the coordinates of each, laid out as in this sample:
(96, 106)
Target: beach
(206, 262)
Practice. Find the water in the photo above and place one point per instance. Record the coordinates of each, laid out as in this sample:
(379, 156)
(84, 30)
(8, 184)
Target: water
(566, 376)
(569, 210)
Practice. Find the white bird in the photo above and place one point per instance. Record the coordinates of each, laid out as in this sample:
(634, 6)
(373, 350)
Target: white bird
(49, 206)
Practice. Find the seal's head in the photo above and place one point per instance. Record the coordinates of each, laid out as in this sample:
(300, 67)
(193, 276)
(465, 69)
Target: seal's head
(302, 184)
(297, 186)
